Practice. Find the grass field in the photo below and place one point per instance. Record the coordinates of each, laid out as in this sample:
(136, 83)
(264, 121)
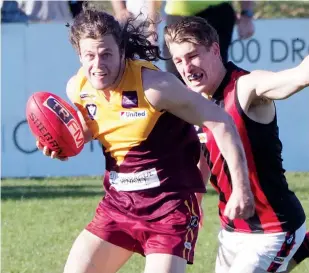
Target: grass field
(41, 218)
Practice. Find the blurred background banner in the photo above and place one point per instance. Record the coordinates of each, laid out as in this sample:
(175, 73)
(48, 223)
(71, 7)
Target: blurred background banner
(39, 57)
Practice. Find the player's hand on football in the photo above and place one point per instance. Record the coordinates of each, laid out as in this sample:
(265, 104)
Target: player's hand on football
(240, 205)
(48, 152)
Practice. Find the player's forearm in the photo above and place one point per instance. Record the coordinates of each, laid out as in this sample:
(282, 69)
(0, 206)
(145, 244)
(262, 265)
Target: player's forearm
(230, 145)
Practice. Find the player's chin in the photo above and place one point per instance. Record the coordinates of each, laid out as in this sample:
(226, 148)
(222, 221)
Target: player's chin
(197, 89)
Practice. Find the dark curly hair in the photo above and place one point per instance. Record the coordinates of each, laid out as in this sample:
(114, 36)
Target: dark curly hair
(131, 37)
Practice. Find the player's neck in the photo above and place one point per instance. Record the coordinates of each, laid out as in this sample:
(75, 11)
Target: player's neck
(220, 76)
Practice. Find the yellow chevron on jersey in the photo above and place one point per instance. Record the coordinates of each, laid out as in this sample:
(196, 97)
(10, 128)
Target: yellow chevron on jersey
(126, 119)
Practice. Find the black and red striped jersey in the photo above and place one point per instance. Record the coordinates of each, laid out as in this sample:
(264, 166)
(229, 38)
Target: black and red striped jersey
(277, 207)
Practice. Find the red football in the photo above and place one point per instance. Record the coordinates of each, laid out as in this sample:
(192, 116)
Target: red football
(55, 123)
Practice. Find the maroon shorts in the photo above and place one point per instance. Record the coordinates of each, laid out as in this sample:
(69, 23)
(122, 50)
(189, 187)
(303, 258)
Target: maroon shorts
(174, 233)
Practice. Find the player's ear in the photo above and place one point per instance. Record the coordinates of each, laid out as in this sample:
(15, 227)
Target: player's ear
(215, 48)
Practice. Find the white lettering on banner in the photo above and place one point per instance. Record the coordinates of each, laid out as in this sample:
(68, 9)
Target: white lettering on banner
(134, 181)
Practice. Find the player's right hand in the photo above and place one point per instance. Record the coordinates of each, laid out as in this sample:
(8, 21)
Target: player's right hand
(48, 152)
(240, 205)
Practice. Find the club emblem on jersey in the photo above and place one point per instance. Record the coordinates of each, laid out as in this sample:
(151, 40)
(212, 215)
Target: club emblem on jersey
(92, 110)
(129, 99)
(290, 239)
(188, 245)
(193, 222)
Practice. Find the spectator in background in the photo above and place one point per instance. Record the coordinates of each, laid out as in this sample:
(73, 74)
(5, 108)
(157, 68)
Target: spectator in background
(45, 11)
(75, 7)
(140, 9)
(220, 14)
(11, 13)
(37, 11)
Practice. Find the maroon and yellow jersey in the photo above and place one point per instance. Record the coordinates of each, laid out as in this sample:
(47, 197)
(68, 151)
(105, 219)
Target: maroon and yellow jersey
(151, 156)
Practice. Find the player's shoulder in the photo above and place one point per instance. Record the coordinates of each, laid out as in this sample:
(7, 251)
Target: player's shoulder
(74, 83)
(71, 87)
(156, 79)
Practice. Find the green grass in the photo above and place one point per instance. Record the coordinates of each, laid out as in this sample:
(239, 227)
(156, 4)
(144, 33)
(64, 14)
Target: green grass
(41, 218)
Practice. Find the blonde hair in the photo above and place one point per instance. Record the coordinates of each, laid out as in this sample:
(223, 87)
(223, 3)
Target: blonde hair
(193, 29)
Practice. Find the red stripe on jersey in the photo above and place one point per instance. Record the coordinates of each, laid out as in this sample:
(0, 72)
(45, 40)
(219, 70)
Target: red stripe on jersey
(231, 108)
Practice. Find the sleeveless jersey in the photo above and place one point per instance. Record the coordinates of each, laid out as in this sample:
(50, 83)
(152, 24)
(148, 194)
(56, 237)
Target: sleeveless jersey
(151, 156)
(277, 207)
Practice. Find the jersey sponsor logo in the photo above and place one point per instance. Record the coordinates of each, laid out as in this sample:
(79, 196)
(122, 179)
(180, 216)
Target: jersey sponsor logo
(279, 260)
(134, 181)
(67, 118)
(85, 95)
(133, 115)
(129, 99)
(92, 110)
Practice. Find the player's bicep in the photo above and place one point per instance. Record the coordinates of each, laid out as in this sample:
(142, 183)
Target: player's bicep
(194, 108)
(264, 86)
(168, 93)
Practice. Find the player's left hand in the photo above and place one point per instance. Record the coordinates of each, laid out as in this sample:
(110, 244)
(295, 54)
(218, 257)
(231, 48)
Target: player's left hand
(240, 205)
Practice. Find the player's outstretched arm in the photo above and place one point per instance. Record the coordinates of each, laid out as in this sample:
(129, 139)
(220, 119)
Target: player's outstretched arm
(166, 92)
(273, 85)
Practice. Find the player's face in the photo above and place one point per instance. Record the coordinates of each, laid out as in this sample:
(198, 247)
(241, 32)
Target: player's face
(101, 61)
(197, 65)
